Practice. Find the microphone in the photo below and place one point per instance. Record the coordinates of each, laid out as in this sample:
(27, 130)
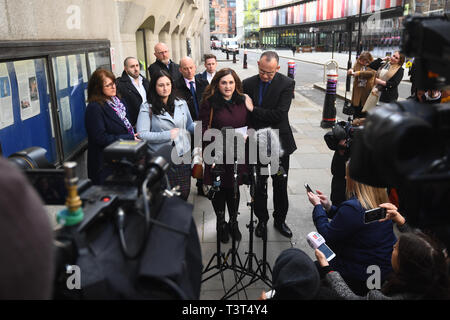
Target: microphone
(269, 148)
(231, 144)
(268, 139)
(159, 164)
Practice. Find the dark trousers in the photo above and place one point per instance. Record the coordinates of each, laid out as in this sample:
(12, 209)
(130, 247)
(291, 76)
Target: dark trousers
(280, 196)
(226, 196)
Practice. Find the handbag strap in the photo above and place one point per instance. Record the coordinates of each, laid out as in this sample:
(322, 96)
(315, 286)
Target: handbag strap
(211, 112)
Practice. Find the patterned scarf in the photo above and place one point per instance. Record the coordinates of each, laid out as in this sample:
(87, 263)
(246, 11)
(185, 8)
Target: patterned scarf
(121, 112)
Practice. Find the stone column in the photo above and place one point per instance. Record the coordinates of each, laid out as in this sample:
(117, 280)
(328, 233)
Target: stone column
(176, 54)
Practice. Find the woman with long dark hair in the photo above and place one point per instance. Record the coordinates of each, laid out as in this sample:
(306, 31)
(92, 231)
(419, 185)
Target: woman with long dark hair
(166, 120)
(106, 121)
(224, 105)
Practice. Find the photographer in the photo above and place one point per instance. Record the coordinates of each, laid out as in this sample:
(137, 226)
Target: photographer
(26, 256)
(357, 245)
(419, 265)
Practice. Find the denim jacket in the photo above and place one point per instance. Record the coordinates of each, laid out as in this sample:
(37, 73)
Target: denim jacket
(156, 129)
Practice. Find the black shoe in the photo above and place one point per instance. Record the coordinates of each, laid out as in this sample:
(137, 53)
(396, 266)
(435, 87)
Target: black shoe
(234, 231)
(200, 191)
(259, 230)
(283, 229)
(224, 238)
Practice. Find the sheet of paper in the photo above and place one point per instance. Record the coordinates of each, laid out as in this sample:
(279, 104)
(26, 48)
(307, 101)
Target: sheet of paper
(83, 67)
(241, 130)
(28, 89)
(73, 70)
(65, 113)
(62, 72)
(6, 109)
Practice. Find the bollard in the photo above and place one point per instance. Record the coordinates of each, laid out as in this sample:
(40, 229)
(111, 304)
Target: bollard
(291, 73)
(234, 56)
(291, 69)
(228, 58)
(245, 59)
(329, 107)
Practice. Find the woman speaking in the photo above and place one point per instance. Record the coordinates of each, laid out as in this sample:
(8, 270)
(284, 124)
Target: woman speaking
(223, 105)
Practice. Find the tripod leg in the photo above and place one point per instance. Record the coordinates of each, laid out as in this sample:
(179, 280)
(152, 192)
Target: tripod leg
(221, 227)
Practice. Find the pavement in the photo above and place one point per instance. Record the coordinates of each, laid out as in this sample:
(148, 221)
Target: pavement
(309, 163)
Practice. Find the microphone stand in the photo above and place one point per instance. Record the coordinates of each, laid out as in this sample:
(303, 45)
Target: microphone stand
(262, 265)
(222, 266)
(218, 254)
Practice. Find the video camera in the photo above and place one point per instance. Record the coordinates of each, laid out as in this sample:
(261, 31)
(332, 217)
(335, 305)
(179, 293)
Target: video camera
(342, 130)
(406, 144)
(126, 230)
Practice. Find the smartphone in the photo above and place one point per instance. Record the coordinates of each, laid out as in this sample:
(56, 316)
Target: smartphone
(308, 188)
(373, 215)
(316, 241)
(270, 294)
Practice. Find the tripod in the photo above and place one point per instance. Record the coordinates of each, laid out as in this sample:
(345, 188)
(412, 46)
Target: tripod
(222, 263)
(261, 271)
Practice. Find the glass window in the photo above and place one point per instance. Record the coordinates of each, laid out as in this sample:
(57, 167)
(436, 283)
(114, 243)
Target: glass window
(70, 73)
(25, 117)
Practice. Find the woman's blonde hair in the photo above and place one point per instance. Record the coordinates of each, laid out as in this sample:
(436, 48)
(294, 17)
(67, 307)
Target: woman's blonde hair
(369, 197)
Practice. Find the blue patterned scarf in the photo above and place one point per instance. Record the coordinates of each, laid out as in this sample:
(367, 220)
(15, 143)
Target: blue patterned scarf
(120, 110)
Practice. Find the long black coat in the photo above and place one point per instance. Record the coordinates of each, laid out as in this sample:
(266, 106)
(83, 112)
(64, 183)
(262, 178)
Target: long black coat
(273, 112)
(174, 69)
(103, 127)
(185, 93)
(130, 96)
(389, 93)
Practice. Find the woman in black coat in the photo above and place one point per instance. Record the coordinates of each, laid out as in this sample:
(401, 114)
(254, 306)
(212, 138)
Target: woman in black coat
(106, 121)
(389, 76)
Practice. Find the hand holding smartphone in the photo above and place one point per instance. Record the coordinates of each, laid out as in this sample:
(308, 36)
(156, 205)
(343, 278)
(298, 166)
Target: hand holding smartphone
(316, 241)
(374, 215)
(308, 188)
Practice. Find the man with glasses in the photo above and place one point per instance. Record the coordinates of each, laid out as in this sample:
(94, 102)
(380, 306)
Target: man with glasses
(163, 61)
(272, 94)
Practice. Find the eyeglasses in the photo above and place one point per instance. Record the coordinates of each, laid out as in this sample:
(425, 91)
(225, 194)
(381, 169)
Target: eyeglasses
(110, 85)
(262, 72)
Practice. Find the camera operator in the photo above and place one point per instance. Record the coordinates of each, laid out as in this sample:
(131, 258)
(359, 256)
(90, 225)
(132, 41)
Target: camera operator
(339, 140)
(224, 105)
(357, 245)
(26, 255)
(419, 263)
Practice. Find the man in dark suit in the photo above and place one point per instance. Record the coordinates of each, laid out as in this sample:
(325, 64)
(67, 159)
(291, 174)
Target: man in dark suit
(163, 61)
(210, 66)
(272, 93)
(133, 88)
(190, 88)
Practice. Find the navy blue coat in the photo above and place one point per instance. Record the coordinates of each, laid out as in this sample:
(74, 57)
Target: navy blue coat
(103, 127)
(357, 245)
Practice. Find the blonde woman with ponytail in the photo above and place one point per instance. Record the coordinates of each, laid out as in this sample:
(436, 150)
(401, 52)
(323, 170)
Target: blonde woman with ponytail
(357, 245)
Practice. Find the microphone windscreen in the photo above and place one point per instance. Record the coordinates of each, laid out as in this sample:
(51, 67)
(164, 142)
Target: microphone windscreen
(268, 138)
